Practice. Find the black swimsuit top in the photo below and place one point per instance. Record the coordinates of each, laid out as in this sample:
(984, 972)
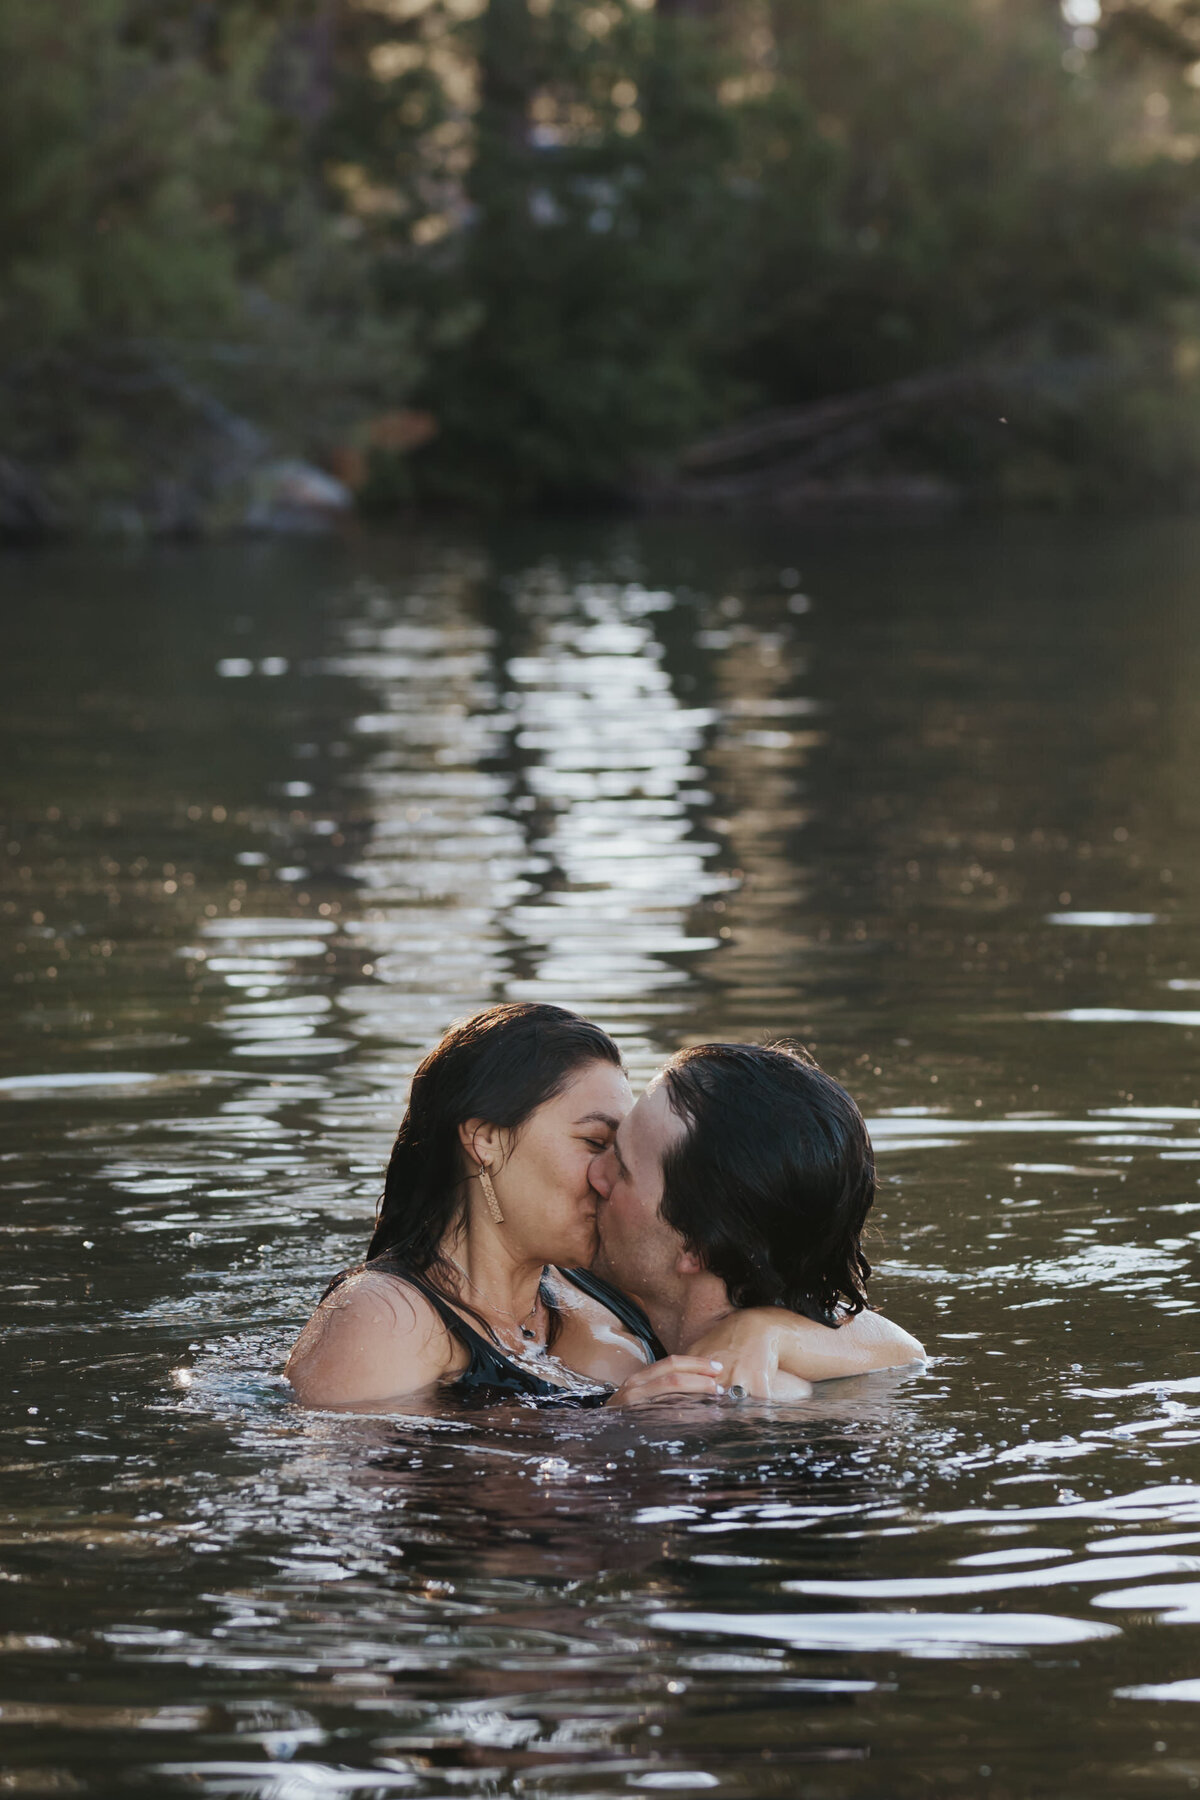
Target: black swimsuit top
(491, 1376)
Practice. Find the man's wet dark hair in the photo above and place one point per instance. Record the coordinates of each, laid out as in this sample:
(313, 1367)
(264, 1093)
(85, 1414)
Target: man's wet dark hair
(771, 1184)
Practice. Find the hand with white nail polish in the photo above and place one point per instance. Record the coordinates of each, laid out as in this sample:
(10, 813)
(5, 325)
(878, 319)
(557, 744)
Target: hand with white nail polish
(667, 1379)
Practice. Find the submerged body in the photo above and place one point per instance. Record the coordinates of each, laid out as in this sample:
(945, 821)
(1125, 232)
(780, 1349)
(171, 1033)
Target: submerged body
(381, 1331)
(379, 1338)
(479, 1220)
(521, 1159)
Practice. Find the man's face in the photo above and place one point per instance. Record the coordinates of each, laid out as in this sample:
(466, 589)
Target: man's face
(638, 1250)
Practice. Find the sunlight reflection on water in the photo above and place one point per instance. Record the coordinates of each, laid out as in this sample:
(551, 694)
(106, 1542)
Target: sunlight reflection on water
(330, 805)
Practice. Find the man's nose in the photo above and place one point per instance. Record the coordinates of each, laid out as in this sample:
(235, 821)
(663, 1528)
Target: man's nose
(598, 1173)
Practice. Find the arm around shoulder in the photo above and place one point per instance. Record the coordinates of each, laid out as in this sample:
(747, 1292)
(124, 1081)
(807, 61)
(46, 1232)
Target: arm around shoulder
(770, 1352)
(858, 1346)
(371, 1340)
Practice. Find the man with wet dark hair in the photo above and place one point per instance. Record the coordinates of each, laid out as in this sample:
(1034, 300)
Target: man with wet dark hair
(740, 1184)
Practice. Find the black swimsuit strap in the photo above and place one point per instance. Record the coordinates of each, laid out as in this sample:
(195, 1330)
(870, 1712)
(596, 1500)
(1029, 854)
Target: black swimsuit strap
(490, 1375)
(451, 1319)
(620, 1305)
(488, 1362)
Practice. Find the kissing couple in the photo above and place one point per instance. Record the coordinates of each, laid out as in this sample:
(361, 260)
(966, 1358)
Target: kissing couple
(541, 1238)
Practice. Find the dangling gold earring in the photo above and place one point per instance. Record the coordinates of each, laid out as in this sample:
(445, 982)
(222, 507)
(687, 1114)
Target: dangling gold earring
(489, 1194)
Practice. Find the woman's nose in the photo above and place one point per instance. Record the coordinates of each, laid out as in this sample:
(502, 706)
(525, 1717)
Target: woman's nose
(598, 1173)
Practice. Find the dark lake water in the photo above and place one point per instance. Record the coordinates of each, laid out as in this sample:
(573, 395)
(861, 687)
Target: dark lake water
(273, 816)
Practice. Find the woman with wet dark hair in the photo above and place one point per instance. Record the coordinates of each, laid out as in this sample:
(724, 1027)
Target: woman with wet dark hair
(477, 1269)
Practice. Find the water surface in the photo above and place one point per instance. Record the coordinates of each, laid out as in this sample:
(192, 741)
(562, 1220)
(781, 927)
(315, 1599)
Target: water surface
(272, 817)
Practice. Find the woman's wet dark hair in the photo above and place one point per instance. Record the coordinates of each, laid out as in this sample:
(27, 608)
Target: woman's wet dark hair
(499, 1066)
(772, 1183)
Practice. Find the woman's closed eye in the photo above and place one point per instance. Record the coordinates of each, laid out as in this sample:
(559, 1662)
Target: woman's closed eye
(597, 1144)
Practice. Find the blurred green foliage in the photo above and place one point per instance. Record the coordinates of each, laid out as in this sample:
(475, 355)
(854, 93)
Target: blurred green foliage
(175, 287)
(574, 235)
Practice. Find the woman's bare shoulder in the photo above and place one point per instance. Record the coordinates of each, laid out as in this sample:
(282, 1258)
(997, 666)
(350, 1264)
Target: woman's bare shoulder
(372, 1338)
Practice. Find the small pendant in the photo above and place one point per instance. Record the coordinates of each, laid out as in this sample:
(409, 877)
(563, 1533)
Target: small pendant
(526, 1333)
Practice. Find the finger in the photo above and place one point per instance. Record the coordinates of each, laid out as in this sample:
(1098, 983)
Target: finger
(696, 1365)
(668, 1381)
(701, 1380)
(682, 1382)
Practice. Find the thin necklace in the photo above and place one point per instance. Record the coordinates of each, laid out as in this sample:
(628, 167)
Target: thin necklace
(524, 1330)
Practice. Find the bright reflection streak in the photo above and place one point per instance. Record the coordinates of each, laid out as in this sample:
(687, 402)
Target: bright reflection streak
(920, 1634)
(530, 834)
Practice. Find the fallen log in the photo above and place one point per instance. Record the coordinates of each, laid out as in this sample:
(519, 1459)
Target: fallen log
(868, 410)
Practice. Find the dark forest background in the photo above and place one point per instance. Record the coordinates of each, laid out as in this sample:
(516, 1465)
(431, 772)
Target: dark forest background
(484, 253)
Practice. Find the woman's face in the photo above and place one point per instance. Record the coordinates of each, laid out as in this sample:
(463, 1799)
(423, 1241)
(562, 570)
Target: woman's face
(542, 1185)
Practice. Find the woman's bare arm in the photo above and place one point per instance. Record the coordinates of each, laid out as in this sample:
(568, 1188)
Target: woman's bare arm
(371, 1340)
(773, 1354)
